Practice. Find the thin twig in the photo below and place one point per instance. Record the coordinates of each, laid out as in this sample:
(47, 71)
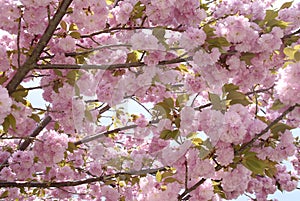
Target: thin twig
(280, 117)
(187, 191)
(90, 50)
(18, 38)
(142, 105)
(126, 28)
(106, 133)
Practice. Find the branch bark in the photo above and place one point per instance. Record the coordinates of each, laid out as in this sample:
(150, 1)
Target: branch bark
(106, 67)
(46, 184)
(33, 58)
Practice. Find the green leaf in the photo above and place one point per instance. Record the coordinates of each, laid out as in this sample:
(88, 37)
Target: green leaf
(182, 68)
(290, 40)
(171, 180)
(271, 170)
(4, 194)
(270, 15)
(177, 122)
(247, 57)
(9, 121)
(35, 117)
(197, 141)
(167, 174)
(237, 98)
(218, 42)
(56, 126)
(205, 149)
(280, 127)
(88, 115)
(138, 10)
(5, 124)
(219, 190)
(158, 176)
(20, 94)
(289, 52)
(216, 102)
(256, 165)
(286, 5)
(72, 76)
(12, 121)
(63, 25)
(297, 56)
(73, 27)
(208, 30)
(58, 72)
(230, 87)
(161, 110)
(3, 79)
(182, 99)
(80, 59)
(277, 105)
(159, 33)
(168, 134)
(169, 102)
(132, 57)
(71, 147)
(75, 35)
(277, 23)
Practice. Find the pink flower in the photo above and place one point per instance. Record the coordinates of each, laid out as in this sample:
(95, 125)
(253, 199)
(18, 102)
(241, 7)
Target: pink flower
(192, 38)
(287, 84)
(50, 147)
(171, 155)
(5, 104)
(109, 193)
(143, 41)
(141, 121)
(67, 44)
(204, 59)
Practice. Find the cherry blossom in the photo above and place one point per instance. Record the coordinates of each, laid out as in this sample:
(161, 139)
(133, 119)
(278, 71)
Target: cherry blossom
(148, 100)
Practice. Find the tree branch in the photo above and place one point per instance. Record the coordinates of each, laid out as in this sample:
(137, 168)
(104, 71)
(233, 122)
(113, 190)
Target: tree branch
(33, 58)
(187, 191)
(19, 184)
(126, 28)
(106, 67)
(35, 133)
(106, 133)
(246, 94)
(90, 50)
(280, 117)
(29, 140)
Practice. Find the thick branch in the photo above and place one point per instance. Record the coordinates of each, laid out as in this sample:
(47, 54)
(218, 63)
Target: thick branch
(106, 67)
(33, 58)
(77, 182)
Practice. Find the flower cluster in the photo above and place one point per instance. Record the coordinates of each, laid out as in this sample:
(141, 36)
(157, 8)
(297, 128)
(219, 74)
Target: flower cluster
(50, 148)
